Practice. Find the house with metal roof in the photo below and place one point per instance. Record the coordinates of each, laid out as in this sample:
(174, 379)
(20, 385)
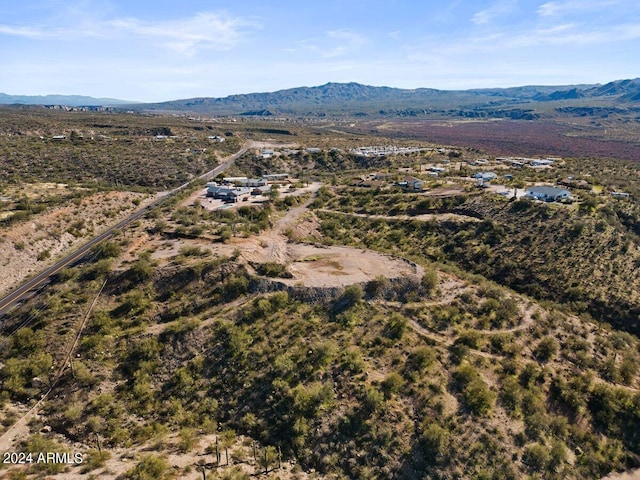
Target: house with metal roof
(546, 193)
(486, 176)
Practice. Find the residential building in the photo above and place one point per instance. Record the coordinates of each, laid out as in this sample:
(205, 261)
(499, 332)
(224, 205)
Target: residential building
(547, 193)
(411, 183)
(486, 176)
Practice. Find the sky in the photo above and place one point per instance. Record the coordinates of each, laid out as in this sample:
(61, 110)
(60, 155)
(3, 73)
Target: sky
(161, 50)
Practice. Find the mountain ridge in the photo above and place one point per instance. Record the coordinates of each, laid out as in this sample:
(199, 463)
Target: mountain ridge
(56, 99)
(527, 102)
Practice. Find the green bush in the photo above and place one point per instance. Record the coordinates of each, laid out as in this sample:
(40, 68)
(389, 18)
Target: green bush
(546, 349)
(151, 467)
(536, 457)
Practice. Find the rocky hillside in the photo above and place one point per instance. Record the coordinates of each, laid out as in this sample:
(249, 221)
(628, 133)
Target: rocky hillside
(452, 376)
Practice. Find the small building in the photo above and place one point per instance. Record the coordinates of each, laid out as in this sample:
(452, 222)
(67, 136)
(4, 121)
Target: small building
(267, 153)
(541, 162)
(253, 182)
(274, 177)
(619, 194)
(411, 183)
(485, 176)
(574, 183)
(371, 184)
(547, 193)
(264, 190)
(236, 194)
(227, 193)
(237, 180)
(313, 150)
(382, 176)
(58, 137)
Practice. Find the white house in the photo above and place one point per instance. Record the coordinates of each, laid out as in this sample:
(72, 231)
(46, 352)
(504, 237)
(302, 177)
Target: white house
(546, 193)
(541, 162)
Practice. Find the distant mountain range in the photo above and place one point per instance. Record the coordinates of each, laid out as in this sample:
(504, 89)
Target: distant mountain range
(67, 100)
(354, 99)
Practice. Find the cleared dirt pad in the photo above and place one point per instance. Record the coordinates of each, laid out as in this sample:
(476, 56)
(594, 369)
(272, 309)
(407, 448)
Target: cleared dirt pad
(337, 266)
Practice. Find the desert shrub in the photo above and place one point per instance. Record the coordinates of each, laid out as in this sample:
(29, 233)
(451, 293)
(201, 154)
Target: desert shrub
(18, 373)
(235, 286)
(628, 369)
(396, 326)
(95, 459)
(476, 395)
(536, 456)
(352, 360)
(434, 441)
(352, 294)
(373, 399)
(43, 255)
(188, 440)
(420, 359)
(26, 341)
(151, 467)
(37, 444)
(511, 395)
(272, 269)
(141, 270)
(392, 384)
(376, 287)
(470, 338)
(546, 349)
(108, 250)
(429, 281)
(478, 398)
(99, 269)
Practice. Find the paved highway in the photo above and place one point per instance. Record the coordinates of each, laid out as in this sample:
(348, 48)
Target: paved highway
(25, 289)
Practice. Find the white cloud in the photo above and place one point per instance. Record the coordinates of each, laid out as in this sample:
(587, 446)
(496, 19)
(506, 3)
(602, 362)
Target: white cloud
(28, 32)
(336, 43)
(573, 34)
(203, 31)
(498, 9)
(557, 8)
(207, 30)
(347, 42)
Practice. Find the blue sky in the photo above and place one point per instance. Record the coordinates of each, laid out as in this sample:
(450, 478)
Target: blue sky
(164, 50)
